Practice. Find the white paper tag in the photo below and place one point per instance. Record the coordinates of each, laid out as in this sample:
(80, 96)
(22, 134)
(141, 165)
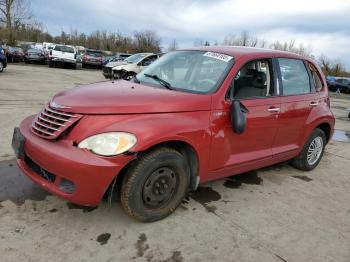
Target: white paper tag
(218, 56)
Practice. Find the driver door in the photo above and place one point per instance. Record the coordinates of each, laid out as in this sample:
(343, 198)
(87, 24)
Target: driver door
(232, 153)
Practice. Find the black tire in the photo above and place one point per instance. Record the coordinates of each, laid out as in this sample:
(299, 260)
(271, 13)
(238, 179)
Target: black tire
(301, 161)
(144, 179)
(1, 67)
(349, 115)
(50, 64)
(83, 65)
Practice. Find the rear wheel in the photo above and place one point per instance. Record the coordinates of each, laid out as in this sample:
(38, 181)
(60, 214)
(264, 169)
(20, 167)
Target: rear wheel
(312, 152)
(1, 66)
(155, 185)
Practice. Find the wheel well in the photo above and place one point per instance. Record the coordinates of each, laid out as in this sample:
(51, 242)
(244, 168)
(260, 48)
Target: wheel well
(184, 148)
(190, 154)
(326, 128)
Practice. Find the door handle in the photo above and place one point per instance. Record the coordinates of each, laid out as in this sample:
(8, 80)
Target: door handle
(314, 104)
(274, 109)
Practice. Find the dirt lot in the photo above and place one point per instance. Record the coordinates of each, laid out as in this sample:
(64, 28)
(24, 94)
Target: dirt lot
(273, 214)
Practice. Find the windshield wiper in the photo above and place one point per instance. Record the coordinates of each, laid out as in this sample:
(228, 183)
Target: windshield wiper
(161, 81)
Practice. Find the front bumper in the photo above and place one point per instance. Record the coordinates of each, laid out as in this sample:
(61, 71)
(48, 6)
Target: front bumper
(91, 174)
(62, 60)
(107, 72)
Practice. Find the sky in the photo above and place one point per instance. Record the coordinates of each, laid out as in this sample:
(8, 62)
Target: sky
(321, 25)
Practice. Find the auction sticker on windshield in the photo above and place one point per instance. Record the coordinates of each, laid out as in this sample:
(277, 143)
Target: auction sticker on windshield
(218, 56)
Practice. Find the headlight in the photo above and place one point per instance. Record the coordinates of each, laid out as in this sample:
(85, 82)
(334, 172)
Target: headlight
(109, 144)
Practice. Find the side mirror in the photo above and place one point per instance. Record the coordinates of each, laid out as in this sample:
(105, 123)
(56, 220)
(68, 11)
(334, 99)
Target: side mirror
(238, 117)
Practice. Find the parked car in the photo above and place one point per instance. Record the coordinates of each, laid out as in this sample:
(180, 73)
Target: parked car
(131, 66)
(92, 57)
(15, 54)
(190, 117)
(341, 84)
(114, 58)
(3, 60)
(34, 56)
(64, 55)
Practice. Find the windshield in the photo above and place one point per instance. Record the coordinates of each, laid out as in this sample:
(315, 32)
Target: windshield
(135, 58)
(192, 71)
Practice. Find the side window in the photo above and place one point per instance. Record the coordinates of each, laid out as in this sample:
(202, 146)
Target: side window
(149, 60)
(254, 79)
(316, 79)
(295, 78)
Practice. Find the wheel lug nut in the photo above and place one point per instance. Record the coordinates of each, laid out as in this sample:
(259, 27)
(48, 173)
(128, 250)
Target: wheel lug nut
(165, 186)
(162, 181)
(157, 184)
(157, 192)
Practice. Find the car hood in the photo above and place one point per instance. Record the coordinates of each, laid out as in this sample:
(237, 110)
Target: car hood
(115, 63)
(124, 97)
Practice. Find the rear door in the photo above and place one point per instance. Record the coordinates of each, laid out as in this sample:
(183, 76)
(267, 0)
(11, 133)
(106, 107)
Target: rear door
(297, 100)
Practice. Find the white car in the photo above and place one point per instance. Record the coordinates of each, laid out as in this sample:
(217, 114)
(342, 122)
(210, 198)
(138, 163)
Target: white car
(131, 66)
(63, 54)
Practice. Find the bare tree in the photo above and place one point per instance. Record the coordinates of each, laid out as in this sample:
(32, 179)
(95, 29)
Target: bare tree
(146, 41)
(244, 39)
(332, 68)
(14, 14)
(290, 46)
(173, 45)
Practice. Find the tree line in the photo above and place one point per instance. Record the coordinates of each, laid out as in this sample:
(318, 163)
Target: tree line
(328, 66)
(17, 24)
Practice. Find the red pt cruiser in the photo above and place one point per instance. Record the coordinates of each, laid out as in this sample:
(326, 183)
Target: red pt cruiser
(190, 117)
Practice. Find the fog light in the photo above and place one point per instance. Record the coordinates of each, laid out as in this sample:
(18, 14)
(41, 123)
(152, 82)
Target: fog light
(66, 186)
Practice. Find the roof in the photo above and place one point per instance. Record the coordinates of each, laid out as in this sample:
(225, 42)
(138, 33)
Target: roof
(243, 51)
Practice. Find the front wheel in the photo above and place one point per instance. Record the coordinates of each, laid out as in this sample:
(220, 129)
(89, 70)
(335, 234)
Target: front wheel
(312, 152)
(155, 185)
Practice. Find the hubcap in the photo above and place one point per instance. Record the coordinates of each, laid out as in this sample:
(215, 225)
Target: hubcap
(159, 187)
(315, 150)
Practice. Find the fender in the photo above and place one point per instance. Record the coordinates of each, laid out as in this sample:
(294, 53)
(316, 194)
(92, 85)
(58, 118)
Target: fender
(153, 129)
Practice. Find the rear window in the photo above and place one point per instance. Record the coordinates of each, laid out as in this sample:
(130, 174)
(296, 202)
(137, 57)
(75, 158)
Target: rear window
(316, 79)
(295, 78)
(64, 48)
(94, 53)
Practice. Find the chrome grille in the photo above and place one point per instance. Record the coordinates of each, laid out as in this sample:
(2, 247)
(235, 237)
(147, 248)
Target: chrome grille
(51, 123)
